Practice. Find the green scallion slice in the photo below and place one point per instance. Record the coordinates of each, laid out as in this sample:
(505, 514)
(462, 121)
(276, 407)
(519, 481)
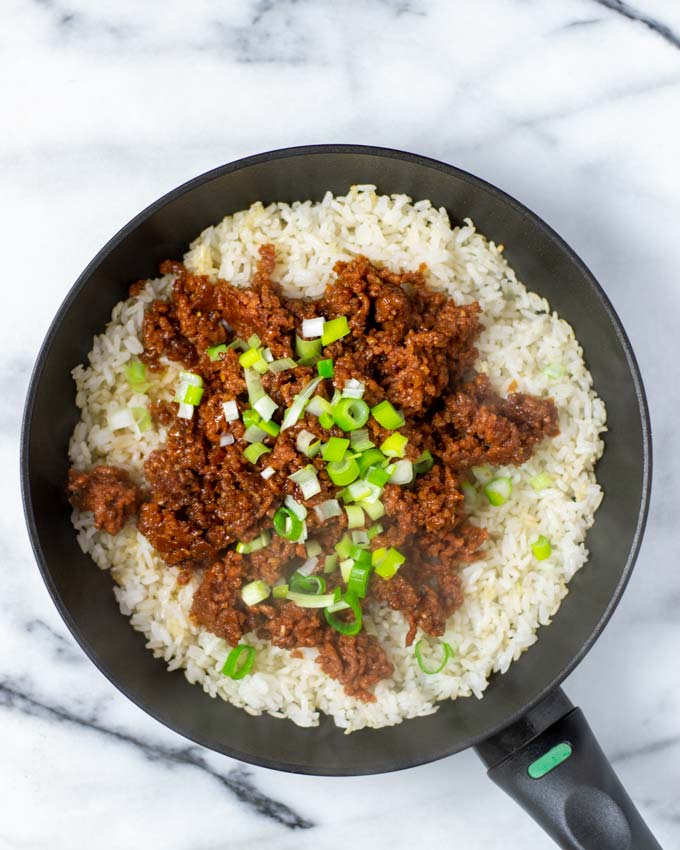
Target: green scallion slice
(541, 481)
(287, 524)
(375, 530)
(307, 349)
(281, 365)
(334, 449)
(360, 440)
(254, 592)
(135, 375)
(350, 413)
(345, 628)
(216, 352)
(311, 600)
(326, 421)
(235, 667)
(385, 414)
(542, 548)
(344, 547)
(424, 463)
(142, 418)
(554, 371)
(355, 516)
(394, 445)
(330, 563)
(255, 451)
(250, 358)
(296, 409)
(358, 580)
(483, 473)
(343, 472)
(280, 591)
(334, 330)
(447, 652)
(260, 542)
(387, 561)
(498, 490)
(375, 510)
(314, 585)
(325, 367)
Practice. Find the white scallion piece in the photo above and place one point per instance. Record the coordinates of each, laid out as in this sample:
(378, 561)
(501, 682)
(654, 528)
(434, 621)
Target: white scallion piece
(295, 507)
(328, 509)
(307, 481)
(266, 407)
(403, 472)
(123, 418)
(360, 537)
(308, 567)
(318, 405)
(191, 378)
(304, 440)
(267, 472)
(353, 389)
(254, 434)
(230, 409)
(313, 328)
(294, 412)
(254, 592)
(186, 411)
(226, 440)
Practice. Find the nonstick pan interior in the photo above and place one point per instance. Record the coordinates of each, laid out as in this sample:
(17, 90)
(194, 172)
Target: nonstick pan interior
(84, 595)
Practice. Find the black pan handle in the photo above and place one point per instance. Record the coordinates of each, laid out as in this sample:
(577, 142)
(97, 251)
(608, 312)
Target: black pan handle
(552, 765)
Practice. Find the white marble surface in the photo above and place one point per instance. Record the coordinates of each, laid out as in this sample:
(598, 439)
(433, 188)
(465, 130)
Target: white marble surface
(573, 106)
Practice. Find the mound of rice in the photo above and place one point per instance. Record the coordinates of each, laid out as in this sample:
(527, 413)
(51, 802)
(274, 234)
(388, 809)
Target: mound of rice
(508, 593)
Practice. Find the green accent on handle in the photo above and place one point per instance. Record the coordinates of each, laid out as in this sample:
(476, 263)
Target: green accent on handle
(549, 760)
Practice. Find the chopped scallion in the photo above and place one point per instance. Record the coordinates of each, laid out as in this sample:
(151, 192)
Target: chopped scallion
(334, 330)
(345, 628)
(254, 592)
(260, 542)
(334, 449)
(234, 666)
(325, 368)
(350, 413)
(255, 451)
(328, 509)
(447, 651)
(313, 328)
(344, 471)
(355, 516)
(394, 445)
(307, 481)
(387, 561)
(385, 414)
(498, 490)
(297, 407)
(542, 548)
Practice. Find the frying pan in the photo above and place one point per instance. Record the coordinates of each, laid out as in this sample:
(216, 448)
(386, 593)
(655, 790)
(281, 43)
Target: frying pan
(535, 744)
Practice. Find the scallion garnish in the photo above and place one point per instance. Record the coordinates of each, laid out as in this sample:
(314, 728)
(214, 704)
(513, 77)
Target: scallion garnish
(354, 388)
(297, 407)
(328, 509)
(374, 531)
(236, 668)
(447, 653)
(375, 510)
(142, 418)
(307, 481)
(307, 444)
(318, 406)
(542, 548)
(313, 328)
(360, 440)
(135, 375)
(498, 490)
(216, 352)
(267, 472)
(260, 542)
(286, 524)
(281, 365)
(403, 472)
(253, 434)
(334, 330)
(385, 415)
(310, 600)
(326, 421)
(343, 472)
(350, 413)
(355, 516)
(371, 457)
(351, 628)
(471, 495)
(541, 481)
(255, 451)
(387, 561)
(325, 368)
(313, 548)
(230, 409)
(394, 445)
(334, 449)
(307, 349)
(330, 563)
(254, 592)
(554, 371)
(280, 591)
(358, 580)
(483, 473)
(424, 463)
(377, 476)
(293, 505)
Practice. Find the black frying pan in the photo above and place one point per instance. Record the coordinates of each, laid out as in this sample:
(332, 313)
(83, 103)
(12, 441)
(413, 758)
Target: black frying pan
(524, 724)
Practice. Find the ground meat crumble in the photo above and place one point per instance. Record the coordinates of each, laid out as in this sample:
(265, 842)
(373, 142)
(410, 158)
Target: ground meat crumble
(408, 344)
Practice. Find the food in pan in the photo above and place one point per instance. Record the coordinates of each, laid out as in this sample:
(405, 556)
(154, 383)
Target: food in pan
(338, 460)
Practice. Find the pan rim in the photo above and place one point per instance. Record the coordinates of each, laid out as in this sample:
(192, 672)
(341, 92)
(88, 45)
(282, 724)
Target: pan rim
(421, 161)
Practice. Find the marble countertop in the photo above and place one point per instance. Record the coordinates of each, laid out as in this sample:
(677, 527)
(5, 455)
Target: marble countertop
(573, 106)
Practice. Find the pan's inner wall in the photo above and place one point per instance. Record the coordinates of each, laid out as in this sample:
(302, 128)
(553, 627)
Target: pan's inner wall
(83, 593)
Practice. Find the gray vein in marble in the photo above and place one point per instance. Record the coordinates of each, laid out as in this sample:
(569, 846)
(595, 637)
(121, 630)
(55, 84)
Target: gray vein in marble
(645, 749)
(628, 11)
(237, 780)
(63, 648)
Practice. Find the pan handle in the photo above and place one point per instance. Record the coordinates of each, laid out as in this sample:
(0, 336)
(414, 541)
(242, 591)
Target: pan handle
(550, 762)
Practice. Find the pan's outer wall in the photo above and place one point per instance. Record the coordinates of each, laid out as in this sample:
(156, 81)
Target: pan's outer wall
(83, 593)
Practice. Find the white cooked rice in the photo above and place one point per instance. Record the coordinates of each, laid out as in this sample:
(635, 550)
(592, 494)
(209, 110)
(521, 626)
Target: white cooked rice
(508, 593)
